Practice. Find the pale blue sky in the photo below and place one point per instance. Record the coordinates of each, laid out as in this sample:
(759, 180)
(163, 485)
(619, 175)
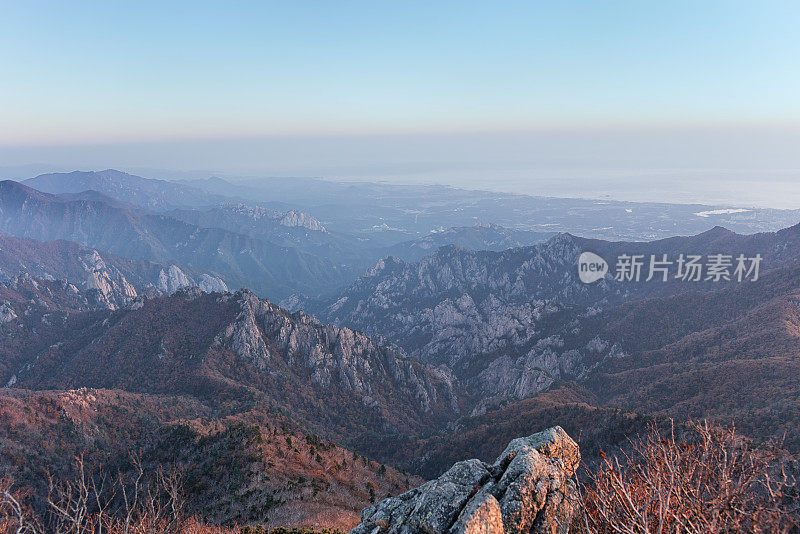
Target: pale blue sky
(87, 71)
(382, 89)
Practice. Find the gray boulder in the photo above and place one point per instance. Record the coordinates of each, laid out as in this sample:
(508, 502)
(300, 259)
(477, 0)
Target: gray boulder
(528, 489)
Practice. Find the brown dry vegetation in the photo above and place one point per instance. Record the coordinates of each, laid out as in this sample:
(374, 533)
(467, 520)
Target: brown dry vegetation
(253, 468)
(701, 479)
(269, 473)
(696, 478)
(91, 503)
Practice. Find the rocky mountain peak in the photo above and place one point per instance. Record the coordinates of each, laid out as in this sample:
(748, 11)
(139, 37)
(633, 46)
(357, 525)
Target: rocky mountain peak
(294, 218)
(112, 287)
(384, 264)
(529, 488)
(291, 218)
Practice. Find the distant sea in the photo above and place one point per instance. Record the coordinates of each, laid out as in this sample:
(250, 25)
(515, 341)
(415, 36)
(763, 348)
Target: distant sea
(768, 189)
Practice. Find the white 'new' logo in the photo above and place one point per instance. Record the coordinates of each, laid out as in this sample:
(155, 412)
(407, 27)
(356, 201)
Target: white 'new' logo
(591, 267)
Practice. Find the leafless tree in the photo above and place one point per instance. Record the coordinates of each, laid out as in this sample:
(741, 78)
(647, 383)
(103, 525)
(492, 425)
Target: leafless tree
(707, 480)
(14, 516)
(91, 503)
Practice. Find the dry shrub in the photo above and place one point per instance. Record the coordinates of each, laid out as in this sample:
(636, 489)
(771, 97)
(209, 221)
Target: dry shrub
(702, 479)
(90, 504)
(16, 517)
(93, 503)
(705, 480)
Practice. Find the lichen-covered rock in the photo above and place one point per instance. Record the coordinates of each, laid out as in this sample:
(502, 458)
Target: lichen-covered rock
(481, 516)
(528, 489)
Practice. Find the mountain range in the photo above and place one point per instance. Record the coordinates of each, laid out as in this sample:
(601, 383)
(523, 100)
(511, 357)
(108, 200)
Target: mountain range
(143, 192)
(273, 252)
(107, 225)
(353, 361)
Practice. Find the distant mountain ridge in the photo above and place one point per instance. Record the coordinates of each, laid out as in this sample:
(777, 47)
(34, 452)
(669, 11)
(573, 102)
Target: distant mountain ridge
(143, 192)
(478, 237)
(274, 253)
(238, 259)
(300, 230)
(393, 213)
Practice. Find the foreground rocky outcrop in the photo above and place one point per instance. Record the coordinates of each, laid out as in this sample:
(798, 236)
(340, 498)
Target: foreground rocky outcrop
(528, 489)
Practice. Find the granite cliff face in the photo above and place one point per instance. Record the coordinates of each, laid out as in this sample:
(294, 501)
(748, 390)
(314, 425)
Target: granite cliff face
(257, 221)
(299, 219)
(528, 489)
(479, 300)
(111, 281)
(7, 313)
(265, 335)
(496, 320)
(221, 347)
